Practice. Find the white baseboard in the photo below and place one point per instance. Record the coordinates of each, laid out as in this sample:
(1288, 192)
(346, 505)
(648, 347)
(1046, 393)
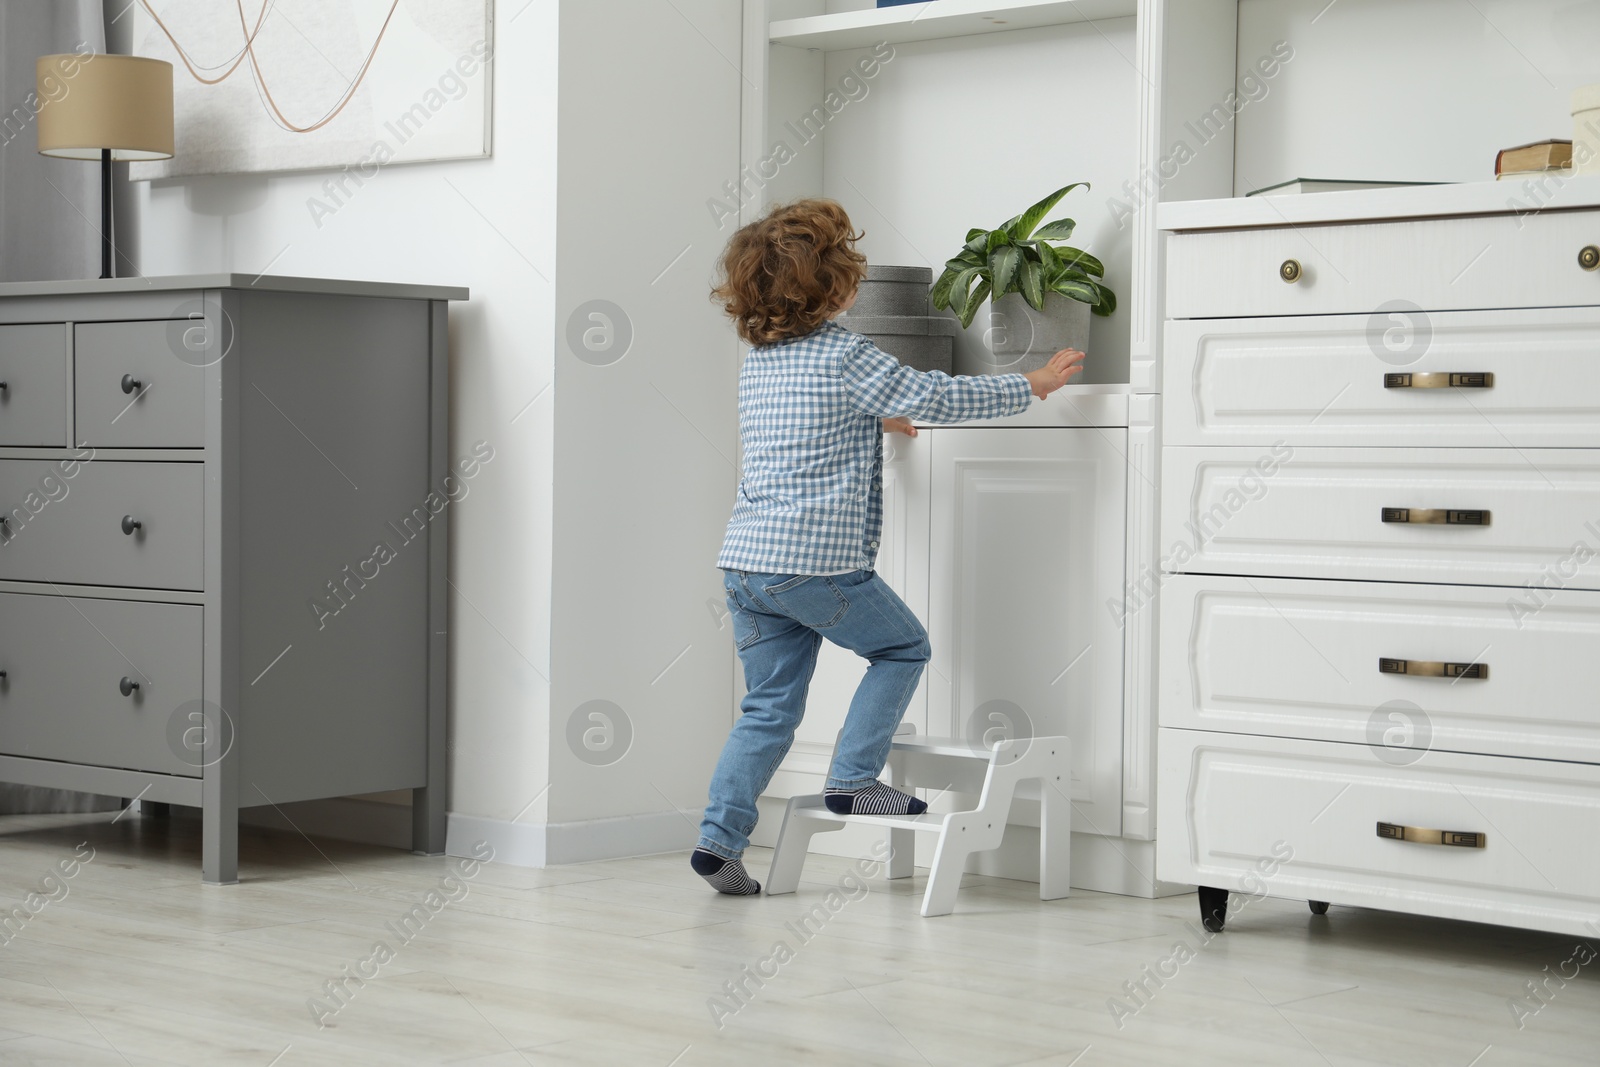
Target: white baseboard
(520, 844)
(549, 844)
(1100, 864)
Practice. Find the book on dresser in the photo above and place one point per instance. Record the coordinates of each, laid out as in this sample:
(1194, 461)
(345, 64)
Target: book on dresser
(1380, 538)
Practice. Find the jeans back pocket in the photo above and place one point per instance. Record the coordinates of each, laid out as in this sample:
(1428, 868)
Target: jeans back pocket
(810, 599)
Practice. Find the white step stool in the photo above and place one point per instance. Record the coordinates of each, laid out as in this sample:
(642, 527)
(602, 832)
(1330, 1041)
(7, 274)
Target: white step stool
(949, 764)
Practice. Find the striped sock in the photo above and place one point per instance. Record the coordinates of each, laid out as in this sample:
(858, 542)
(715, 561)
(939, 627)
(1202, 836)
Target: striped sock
(875, 799)
(725, 876)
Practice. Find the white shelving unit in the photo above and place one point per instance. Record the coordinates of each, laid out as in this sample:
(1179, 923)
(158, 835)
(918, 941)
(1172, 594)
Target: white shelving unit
(938, 19)
(960, 59)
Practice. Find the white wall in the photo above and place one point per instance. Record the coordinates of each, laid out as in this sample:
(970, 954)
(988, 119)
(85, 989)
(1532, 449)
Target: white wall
(1425, 90)
(963, 132)
(646, 445)
(489, 225)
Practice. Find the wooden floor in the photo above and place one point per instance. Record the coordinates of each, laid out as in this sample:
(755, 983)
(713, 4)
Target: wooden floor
(631, 962)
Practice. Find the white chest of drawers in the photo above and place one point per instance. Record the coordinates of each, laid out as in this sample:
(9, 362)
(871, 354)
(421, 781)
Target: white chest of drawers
(194, 474)
(1380, 527)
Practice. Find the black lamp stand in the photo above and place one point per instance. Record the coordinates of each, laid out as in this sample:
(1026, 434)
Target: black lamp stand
(108, 248)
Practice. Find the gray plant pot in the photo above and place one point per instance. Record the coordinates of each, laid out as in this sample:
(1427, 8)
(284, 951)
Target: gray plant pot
(1022, 339)
(890, 290)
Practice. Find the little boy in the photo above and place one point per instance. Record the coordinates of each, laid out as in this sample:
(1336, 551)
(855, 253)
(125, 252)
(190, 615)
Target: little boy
(814, 402)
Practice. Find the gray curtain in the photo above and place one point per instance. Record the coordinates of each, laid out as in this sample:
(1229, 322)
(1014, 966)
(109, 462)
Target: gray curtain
(45, 205)
(49, 208)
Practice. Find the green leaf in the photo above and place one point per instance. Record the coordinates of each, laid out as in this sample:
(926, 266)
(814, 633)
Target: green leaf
(1085, 291)
(1009, 226)
(974, 301)
(1059, 230)
(997, 239)
(1004, 265)
(959, 286)
(940, 293)
(971, 234)
(978, 243)
(1078, 258)
(1032, 284)
(1048, 260)
(1108, 301)
(1023, 225)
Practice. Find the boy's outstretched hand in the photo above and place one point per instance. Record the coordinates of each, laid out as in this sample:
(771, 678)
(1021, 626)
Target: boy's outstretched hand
(1062, 368)
(899, 426)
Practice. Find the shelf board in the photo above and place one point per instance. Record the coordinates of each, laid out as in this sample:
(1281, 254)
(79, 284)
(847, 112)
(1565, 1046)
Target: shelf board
(937, 19)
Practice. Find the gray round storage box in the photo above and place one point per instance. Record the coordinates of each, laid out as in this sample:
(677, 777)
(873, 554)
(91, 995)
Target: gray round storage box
(921, 342)
(894, 291)
(892, 309)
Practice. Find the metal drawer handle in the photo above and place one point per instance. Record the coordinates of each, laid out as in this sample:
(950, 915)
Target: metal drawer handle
(1419, 836)
(127, 685)
(1440, 380)
(131, 384)
(1427, 668)
(1437, 516)
(1290, 271)
(1589, 257)
(130, 524)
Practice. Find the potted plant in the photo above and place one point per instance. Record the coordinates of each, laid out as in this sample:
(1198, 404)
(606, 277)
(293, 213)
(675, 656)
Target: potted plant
(1041, 292)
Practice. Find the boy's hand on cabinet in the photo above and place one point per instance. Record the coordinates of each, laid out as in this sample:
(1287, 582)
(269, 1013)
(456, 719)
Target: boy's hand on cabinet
(899, 425)
(1062, 368)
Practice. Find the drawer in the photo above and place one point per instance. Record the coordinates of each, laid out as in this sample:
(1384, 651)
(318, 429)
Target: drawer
(64, 661)
(1330, 379)
(1455, 264)
(136, 385)
(61, 528)
(33, 399)
(1226, 801)
(1289, 658)
(1319, 513)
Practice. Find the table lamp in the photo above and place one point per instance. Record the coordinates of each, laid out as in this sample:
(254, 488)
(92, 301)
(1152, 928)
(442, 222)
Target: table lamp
(110, 108)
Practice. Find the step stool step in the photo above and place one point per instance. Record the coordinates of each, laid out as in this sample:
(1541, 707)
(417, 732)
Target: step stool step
(927, 822)
(940, 746)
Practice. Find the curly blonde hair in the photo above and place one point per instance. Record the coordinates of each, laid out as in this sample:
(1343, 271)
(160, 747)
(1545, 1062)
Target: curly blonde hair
(786, 273)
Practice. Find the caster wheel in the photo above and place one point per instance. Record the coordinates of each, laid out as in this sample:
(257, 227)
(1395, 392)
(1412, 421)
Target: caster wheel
(1318, 907)
(1213, 908)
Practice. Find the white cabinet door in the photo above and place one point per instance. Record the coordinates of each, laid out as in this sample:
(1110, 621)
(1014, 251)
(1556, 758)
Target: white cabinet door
(903, 564)
(1027, 549)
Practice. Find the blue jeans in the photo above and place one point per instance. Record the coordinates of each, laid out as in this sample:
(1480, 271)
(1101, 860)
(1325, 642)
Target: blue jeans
(779, 621)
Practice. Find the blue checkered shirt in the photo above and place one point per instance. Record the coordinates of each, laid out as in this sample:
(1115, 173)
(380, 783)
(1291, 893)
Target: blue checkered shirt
(811, 497)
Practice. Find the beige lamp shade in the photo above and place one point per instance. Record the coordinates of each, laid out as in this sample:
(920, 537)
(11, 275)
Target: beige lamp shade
(95, 102)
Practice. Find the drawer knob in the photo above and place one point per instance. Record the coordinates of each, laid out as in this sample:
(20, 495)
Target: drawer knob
(130, 524)
(1419, 836)
(1440, 380)
(1436, 516)
(1290, 271)
(127, 686)
(1423, 668)
(131, 384)
(1589, 257)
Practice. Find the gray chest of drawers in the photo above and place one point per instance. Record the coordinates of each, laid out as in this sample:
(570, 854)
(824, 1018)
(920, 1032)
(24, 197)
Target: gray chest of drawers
(196, 475)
